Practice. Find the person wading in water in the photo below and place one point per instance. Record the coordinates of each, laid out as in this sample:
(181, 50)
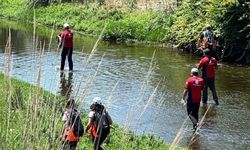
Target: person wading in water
(208, 65)
(66, 42)
(193, 87)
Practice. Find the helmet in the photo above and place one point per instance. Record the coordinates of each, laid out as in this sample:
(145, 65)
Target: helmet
(66, 25)
(98, 100)
(194, 70)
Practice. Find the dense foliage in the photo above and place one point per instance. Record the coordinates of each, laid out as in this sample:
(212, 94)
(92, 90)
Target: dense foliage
(91, 19)
(228, 18)
(236, 32)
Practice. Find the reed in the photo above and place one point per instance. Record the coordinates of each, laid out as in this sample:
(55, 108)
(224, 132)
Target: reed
(141, 95)
(89, 80)
(126, 137)
(28, 131)
(193, 138)
(39, 125)
(146, 81)
(85, 64)
(149, 100)
(7, 68)
(51, 36)
(96, 44)
(179, 135)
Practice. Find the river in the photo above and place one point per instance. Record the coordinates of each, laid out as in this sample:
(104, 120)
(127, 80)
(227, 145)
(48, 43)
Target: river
(142, 92)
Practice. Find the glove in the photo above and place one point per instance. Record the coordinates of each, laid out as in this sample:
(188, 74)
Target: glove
(60, 45)
(183, 101)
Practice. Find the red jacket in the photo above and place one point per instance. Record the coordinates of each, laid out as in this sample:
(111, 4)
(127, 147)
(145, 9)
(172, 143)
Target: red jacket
(208, 65)
(67, 38)
(194, 85)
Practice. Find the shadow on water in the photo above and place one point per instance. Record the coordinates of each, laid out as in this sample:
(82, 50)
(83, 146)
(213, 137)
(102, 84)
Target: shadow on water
(209, 121)
(66, 86)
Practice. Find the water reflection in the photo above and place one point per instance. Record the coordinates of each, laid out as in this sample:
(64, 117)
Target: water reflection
(209, 114)
(66, 86)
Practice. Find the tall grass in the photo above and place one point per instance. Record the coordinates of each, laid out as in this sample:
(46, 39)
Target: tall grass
(7, 65)
(193, 138)
(183, 129)
(27, 127)
(40, 120)
(179, 135)
(38, 124)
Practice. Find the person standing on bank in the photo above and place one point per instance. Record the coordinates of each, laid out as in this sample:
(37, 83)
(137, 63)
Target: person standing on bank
(73, 128)
(208, 65)
(66, 42)
(193, 87)
(99, 123)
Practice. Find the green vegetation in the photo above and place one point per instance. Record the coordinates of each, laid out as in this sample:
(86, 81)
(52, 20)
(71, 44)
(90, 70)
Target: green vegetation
(235, 29)
(192, 17)
(12, 8)
(121, 25)
(29, 116)
(230, 20)
(181, 26)
(31, 119)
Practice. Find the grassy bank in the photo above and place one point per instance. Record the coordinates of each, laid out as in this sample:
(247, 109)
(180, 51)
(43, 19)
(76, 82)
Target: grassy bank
(181, 26)
(31, 119)
(121, 25)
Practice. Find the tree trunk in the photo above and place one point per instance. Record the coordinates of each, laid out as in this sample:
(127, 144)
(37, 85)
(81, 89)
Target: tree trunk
(242, 56)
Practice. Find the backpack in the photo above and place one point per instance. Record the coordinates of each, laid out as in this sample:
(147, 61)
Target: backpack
(105, 122)
(208, 38)
(76, 122)
(100, 123)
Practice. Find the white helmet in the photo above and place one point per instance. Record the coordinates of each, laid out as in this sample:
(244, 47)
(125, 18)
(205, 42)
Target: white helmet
(66, 25)
(194, 70)
(98, 100)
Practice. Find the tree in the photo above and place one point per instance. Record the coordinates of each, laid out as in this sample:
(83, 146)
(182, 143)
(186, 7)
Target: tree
(236, 33)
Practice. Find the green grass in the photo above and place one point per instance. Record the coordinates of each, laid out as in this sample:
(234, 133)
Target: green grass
(31, 118)
(12, 8)
(121, 25)
(182, 26)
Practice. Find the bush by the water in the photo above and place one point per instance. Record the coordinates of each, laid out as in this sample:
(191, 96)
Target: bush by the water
(181, 26)
(91, 19)
(230, 20)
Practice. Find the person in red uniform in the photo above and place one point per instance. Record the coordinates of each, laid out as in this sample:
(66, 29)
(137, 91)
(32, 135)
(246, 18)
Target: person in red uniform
(193, 87)
(66, 41)
(208, 65)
